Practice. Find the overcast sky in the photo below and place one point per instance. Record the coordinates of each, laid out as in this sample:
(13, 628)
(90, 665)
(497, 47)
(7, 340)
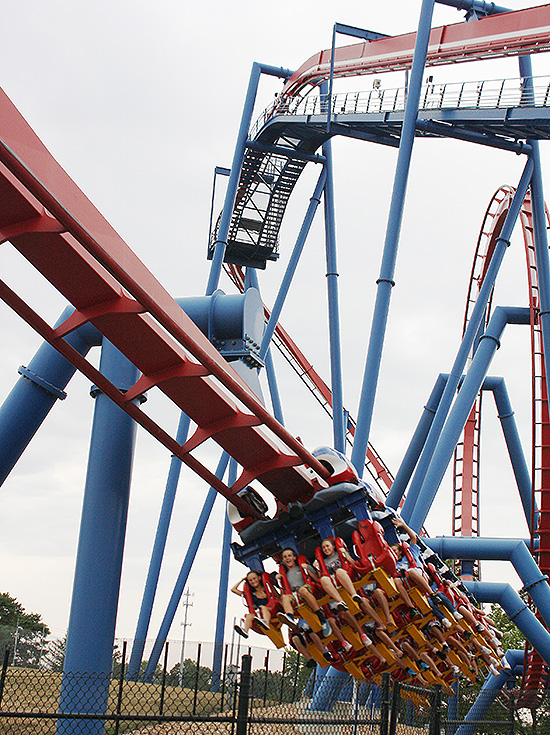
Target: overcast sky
(139, 102)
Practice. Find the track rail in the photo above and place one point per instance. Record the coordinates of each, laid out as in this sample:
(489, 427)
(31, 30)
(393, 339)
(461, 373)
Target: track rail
(52, 224)
(465, 507)
(515, 33)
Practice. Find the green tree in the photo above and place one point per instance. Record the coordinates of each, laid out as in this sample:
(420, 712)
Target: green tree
(54, 654)
(21, 632)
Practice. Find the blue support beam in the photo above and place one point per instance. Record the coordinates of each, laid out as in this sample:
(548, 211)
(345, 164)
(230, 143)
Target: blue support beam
(41, 385)
(293, 263)
(467, 344)
(414, 449)
(236, 165)
(416, 514)
(385, 281)
(222, 590)
(157, 556)
(488, 693)
(512, 550)
(251, 278)
(517, 610)
(184, 573)
(338, 422)
(513, 443)
(91, 631)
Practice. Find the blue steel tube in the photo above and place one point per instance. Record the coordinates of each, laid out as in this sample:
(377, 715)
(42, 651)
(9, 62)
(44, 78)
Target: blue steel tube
(41, 384)
(491, 687)
(338, 422)
(222, 590)
(157, 555)
(513, 550)
(385, 281)
(293, 263)
(540, 234)
(461, 410)
(91, 631)
(184, 573)
(236, 165)
(518, 612)
(466, 345)
(329, 690)
(414, 449)
(276, 405)
(513, 442)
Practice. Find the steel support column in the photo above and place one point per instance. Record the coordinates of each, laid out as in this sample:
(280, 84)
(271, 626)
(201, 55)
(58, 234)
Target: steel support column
(157, 555)
(91, 631)
(385, 281)
(40, 386)
(450, 434)
(222, 590)
(465, 349)
(336, 381)
(184, 572)
(236, 165)
(408, 463)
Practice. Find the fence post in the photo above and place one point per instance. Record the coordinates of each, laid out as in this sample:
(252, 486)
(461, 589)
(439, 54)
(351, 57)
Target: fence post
(197, 678)
(511, 712)
(395, 702)
(435, 721)
(223, 676)
(385, 705)
(244, 695)
(4, 673)
(163, 683)
(282, 678)
(120, 685)
(266, 665)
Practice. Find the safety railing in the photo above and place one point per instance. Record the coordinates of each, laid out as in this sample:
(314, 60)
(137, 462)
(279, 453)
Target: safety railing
(485, 94)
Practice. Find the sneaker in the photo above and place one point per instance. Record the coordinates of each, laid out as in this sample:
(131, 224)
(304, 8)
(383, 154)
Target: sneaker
(413, 613)
(262, 623)
(485, 650)
(346, 645)
(446, 623)
(311, 663)
(240, 631)
(341, 606)
(457, 616)
(357, 599)
(505, 663)
(290, 620)
(455, 671)
(480, 628)
(325, 629)
(365, 640)
(445, 648)
(493, 670)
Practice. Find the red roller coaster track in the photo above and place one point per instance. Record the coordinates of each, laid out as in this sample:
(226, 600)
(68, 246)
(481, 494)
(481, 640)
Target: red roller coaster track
(466, 465)
(507, 34)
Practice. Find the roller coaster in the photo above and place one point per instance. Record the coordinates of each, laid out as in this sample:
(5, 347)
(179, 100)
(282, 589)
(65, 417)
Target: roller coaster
(205, 353)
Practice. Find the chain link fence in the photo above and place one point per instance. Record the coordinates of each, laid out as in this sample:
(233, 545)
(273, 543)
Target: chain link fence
(254, 692)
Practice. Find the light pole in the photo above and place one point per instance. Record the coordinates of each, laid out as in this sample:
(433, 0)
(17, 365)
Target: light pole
(186, 604)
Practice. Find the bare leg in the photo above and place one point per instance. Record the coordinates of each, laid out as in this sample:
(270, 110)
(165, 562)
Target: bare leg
(265, 613)
(382, 600)
(403, 594)
(309, 598)
(428, 660)
(369, 610)
(328, 586)
(345, 581)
